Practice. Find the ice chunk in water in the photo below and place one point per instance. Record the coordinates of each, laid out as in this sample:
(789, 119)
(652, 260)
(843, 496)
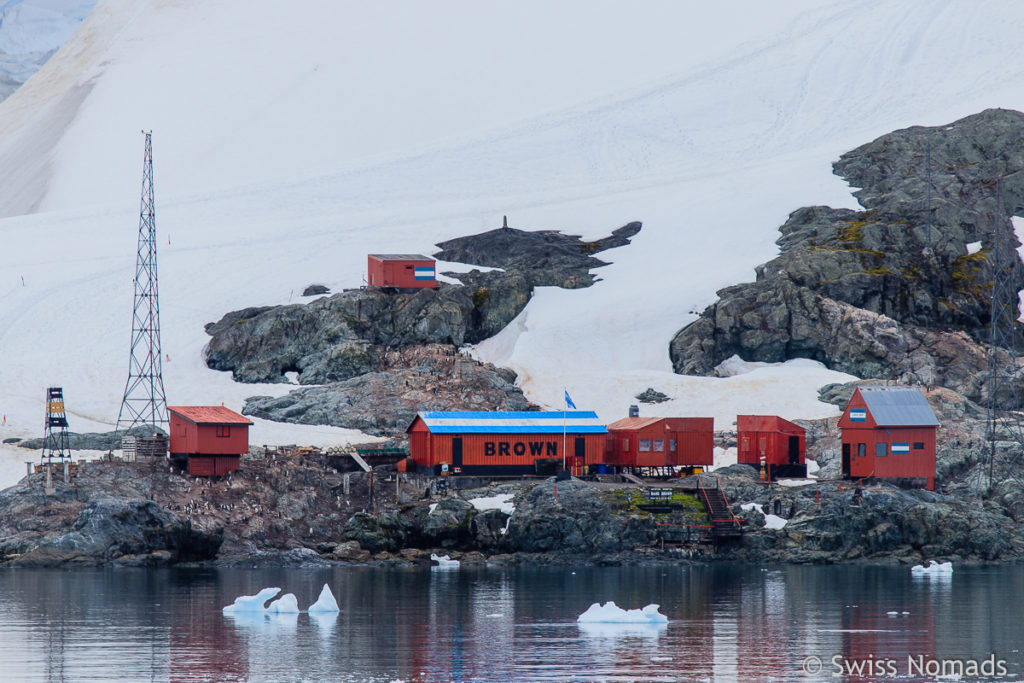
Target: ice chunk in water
(251, 603)
(325, 603)
(610, 613)
(286, 604)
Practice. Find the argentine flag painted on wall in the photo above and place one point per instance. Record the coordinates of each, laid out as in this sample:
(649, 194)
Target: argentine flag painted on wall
(568, 401)
(858, 415)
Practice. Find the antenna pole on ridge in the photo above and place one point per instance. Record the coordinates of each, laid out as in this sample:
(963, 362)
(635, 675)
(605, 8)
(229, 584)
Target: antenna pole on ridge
(144, 402)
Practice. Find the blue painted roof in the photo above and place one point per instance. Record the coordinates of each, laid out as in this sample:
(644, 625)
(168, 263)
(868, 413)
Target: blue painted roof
(523, 422)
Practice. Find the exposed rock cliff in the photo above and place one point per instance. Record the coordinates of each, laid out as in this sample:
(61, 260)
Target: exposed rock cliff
(891, 291)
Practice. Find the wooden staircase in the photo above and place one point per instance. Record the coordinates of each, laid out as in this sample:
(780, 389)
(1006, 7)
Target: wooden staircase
(723, 522)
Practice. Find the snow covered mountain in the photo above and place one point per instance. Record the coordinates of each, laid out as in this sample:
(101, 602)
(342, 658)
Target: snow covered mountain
(292, 139)
(30, 32)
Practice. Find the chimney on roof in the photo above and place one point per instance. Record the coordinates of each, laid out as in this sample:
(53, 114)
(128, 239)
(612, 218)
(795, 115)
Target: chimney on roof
(504, 221)
(634, 410)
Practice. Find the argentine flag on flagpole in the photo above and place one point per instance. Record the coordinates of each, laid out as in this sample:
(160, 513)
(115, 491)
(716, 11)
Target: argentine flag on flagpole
(568, 401)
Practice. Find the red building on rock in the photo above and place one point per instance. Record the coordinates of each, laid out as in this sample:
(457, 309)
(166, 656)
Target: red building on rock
(402, 271)
(641, 442)
(889, 433)
(505, 442)
(211, 438)
(776, 444)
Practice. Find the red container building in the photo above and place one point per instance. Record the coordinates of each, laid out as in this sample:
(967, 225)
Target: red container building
(403, 271)
(777, 444)
(211, 438)
(637, 442)
(504, 442)
(889, 433)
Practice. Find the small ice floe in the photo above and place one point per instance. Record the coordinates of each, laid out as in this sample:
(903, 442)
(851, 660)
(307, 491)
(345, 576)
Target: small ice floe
(610, 613)
(251, 603)
(973, 247)
(443, 562)
(286, 604)
(933, 569)
(325, 603)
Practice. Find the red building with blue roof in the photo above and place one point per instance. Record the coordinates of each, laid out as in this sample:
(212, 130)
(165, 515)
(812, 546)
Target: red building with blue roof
(889, 433)
(505, 442)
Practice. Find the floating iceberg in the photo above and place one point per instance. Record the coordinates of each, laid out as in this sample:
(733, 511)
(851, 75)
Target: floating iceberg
(444, 562)
(325, 603)
(286, 604)
(936, 568)
(610, 613)
(251, 603)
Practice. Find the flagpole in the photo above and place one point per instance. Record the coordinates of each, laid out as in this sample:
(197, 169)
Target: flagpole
(564, 410)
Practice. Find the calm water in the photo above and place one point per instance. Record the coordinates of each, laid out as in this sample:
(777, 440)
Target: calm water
(726, 623)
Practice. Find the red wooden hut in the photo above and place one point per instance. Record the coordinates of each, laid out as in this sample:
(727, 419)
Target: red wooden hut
(504, 442)
(635, 442)
(776, 444)
(889, 432)
(211, 438)
(404, 271)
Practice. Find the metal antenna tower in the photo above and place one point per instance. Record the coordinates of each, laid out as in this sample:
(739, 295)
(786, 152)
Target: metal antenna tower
(1002, 419)
(144, 401)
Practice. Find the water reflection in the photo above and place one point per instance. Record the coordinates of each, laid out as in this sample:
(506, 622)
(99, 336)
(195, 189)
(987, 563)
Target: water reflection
(727, 623)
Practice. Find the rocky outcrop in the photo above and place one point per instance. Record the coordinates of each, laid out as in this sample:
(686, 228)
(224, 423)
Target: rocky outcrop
(94, 441)
(891, 291)
(335, 338)
(546, 257)
(384, 402)
(379, 356)
(118, 531)
(832, 522)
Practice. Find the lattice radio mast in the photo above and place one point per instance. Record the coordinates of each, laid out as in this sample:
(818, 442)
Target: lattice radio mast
(1003, 422)
(144, 401)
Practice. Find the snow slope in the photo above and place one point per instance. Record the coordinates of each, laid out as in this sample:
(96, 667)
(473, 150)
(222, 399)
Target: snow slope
(30, 32)
(292, 139)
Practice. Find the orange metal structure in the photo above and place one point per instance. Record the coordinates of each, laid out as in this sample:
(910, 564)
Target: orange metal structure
(212, 438)
(403, 271)
(777, 444)
(661, 442)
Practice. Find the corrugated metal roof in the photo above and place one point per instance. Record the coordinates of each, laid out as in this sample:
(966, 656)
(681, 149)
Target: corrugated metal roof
(204, 415)
(402, 257)
(634, 423)
(898, 407)
(573, 422)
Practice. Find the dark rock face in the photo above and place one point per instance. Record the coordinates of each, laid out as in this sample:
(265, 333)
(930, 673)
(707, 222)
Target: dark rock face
(313, 290)
(384, 402)
(128, 532)
(891, 291)
(826, 523)
(548, 257)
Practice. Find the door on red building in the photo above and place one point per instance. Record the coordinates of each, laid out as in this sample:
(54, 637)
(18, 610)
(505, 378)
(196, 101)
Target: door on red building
(846, 459)
(794, 450)
(457, 452)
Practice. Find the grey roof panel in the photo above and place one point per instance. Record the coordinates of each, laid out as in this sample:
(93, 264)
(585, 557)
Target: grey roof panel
(899, 407)
(402, 257)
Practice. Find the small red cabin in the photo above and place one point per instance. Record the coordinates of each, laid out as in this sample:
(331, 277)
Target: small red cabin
(404, 271)
(889, 432)
(504, 442)
(211, 438)
(661, 442)
(777, 444)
